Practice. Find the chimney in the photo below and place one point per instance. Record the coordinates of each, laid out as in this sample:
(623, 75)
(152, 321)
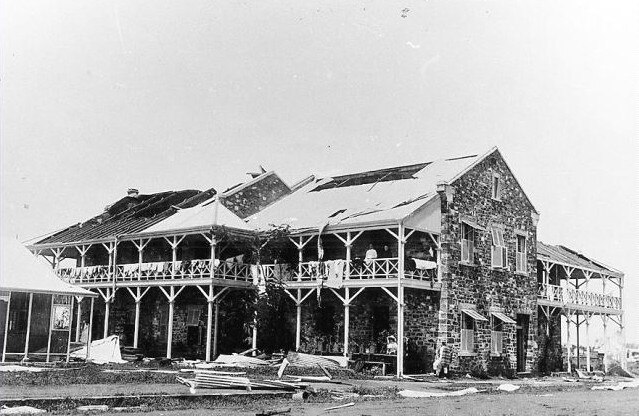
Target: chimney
(132, 192)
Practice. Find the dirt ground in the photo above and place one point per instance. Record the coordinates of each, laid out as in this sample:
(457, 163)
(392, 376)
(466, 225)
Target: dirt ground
(563, 403)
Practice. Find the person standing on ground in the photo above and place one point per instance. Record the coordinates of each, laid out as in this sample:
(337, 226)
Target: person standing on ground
(442, 360)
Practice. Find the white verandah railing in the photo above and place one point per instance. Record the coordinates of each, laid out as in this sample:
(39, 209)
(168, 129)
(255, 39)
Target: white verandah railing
(568, 295)
(387, 268)
(160, 270)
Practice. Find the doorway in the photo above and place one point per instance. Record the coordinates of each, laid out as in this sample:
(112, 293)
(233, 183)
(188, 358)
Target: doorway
(523, 322)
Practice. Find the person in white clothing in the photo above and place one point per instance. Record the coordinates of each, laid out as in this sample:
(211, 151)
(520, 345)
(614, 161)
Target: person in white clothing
(371, 254)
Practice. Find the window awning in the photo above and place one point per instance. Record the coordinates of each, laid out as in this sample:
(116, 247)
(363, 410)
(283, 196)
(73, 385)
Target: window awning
(474, 314)
(504, 318)
(472, 223)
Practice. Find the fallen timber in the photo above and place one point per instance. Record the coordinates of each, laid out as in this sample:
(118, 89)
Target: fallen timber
(221, 380)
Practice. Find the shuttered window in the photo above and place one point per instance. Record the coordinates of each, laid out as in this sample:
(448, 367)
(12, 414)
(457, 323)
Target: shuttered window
(498, 252)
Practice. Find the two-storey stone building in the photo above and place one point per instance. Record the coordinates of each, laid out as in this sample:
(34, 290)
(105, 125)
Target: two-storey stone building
(424, 254)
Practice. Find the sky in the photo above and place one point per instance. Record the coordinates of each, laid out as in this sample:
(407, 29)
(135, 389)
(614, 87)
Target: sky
(100, 96)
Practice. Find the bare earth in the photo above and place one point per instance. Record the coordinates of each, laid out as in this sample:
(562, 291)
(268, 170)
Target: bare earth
(582, 402)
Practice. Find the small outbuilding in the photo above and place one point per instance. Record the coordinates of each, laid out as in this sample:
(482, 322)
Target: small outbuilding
(36, 308)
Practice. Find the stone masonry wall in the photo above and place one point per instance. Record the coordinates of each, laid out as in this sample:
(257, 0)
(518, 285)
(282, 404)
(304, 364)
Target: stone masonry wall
(478, 284)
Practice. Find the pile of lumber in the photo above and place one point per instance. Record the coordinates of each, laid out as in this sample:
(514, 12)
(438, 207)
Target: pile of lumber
(206, 379)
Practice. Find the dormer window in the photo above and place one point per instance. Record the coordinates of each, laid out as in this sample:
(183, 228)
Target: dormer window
(496, 187)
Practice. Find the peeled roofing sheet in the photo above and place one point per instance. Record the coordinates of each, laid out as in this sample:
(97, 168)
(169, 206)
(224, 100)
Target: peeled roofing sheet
(562, 255)
(383, 201)
(21, 271)
(201, 215)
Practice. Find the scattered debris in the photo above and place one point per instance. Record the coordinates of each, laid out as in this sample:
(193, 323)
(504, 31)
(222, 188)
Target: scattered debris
(103, 351)
(220, 380)
(597, 376)
(283, 366)
(343, 395)
(325, 371)
(13, 368)
(308, 360)
(93, 408)
(619, 386)
(341, 406)
(274, 412)
(20, 410)
(141, 408)
(419, 394)
(250, 350)
(315, 379)
(570, 379)
(237, 360)
(508, 387)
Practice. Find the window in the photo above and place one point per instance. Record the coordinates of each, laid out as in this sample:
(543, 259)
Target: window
(520, 259)
(193, 315)
(497, 336)
(498, 250)
(468, 243)
(496, 187)
(467, 333)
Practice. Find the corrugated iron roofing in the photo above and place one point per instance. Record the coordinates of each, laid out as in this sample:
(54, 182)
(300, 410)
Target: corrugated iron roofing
(563, 254)
(129, 215)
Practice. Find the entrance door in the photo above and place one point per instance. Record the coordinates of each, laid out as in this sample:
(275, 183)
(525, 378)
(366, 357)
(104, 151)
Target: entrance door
(522, 341)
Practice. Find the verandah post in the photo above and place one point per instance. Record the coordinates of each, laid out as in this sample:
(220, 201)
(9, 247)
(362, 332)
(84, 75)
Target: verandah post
(209, 322)
(50, 328)
(26, 341)
(136, 329)
(209, 304)
(587, 317)
(6, 329)
(90, 331)
(568, 319)
(69, 337)
(107, 311)
(298, 320)
(347, 319)
(78, 318)
(400, 301)
(215, 326)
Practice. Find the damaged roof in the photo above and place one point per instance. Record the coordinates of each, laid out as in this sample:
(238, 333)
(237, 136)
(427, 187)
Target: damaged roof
(128, 215)
(206, 214)
(564, 255)
(380, 196)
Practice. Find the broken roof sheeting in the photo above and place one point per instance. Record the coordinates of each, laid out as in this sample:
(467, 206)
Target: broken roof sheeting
(316, 204)
(21, 271)
(563, 254)
(128, 215)
(202, 215)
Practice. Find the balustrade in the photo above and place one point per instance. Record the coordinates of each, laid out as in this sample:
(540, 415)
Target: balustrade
(568, 295)
(387, 268)
(161, 270)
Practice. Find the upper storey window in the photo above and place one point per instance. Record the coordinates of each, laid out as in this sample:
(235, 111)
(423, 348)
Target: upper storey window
(498, 252)
(521, 264)
(468, 243)
(497, 186)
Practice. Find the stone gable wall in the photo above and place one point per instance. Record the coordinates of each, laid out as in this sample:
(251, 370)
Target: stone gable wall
(479, 284)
